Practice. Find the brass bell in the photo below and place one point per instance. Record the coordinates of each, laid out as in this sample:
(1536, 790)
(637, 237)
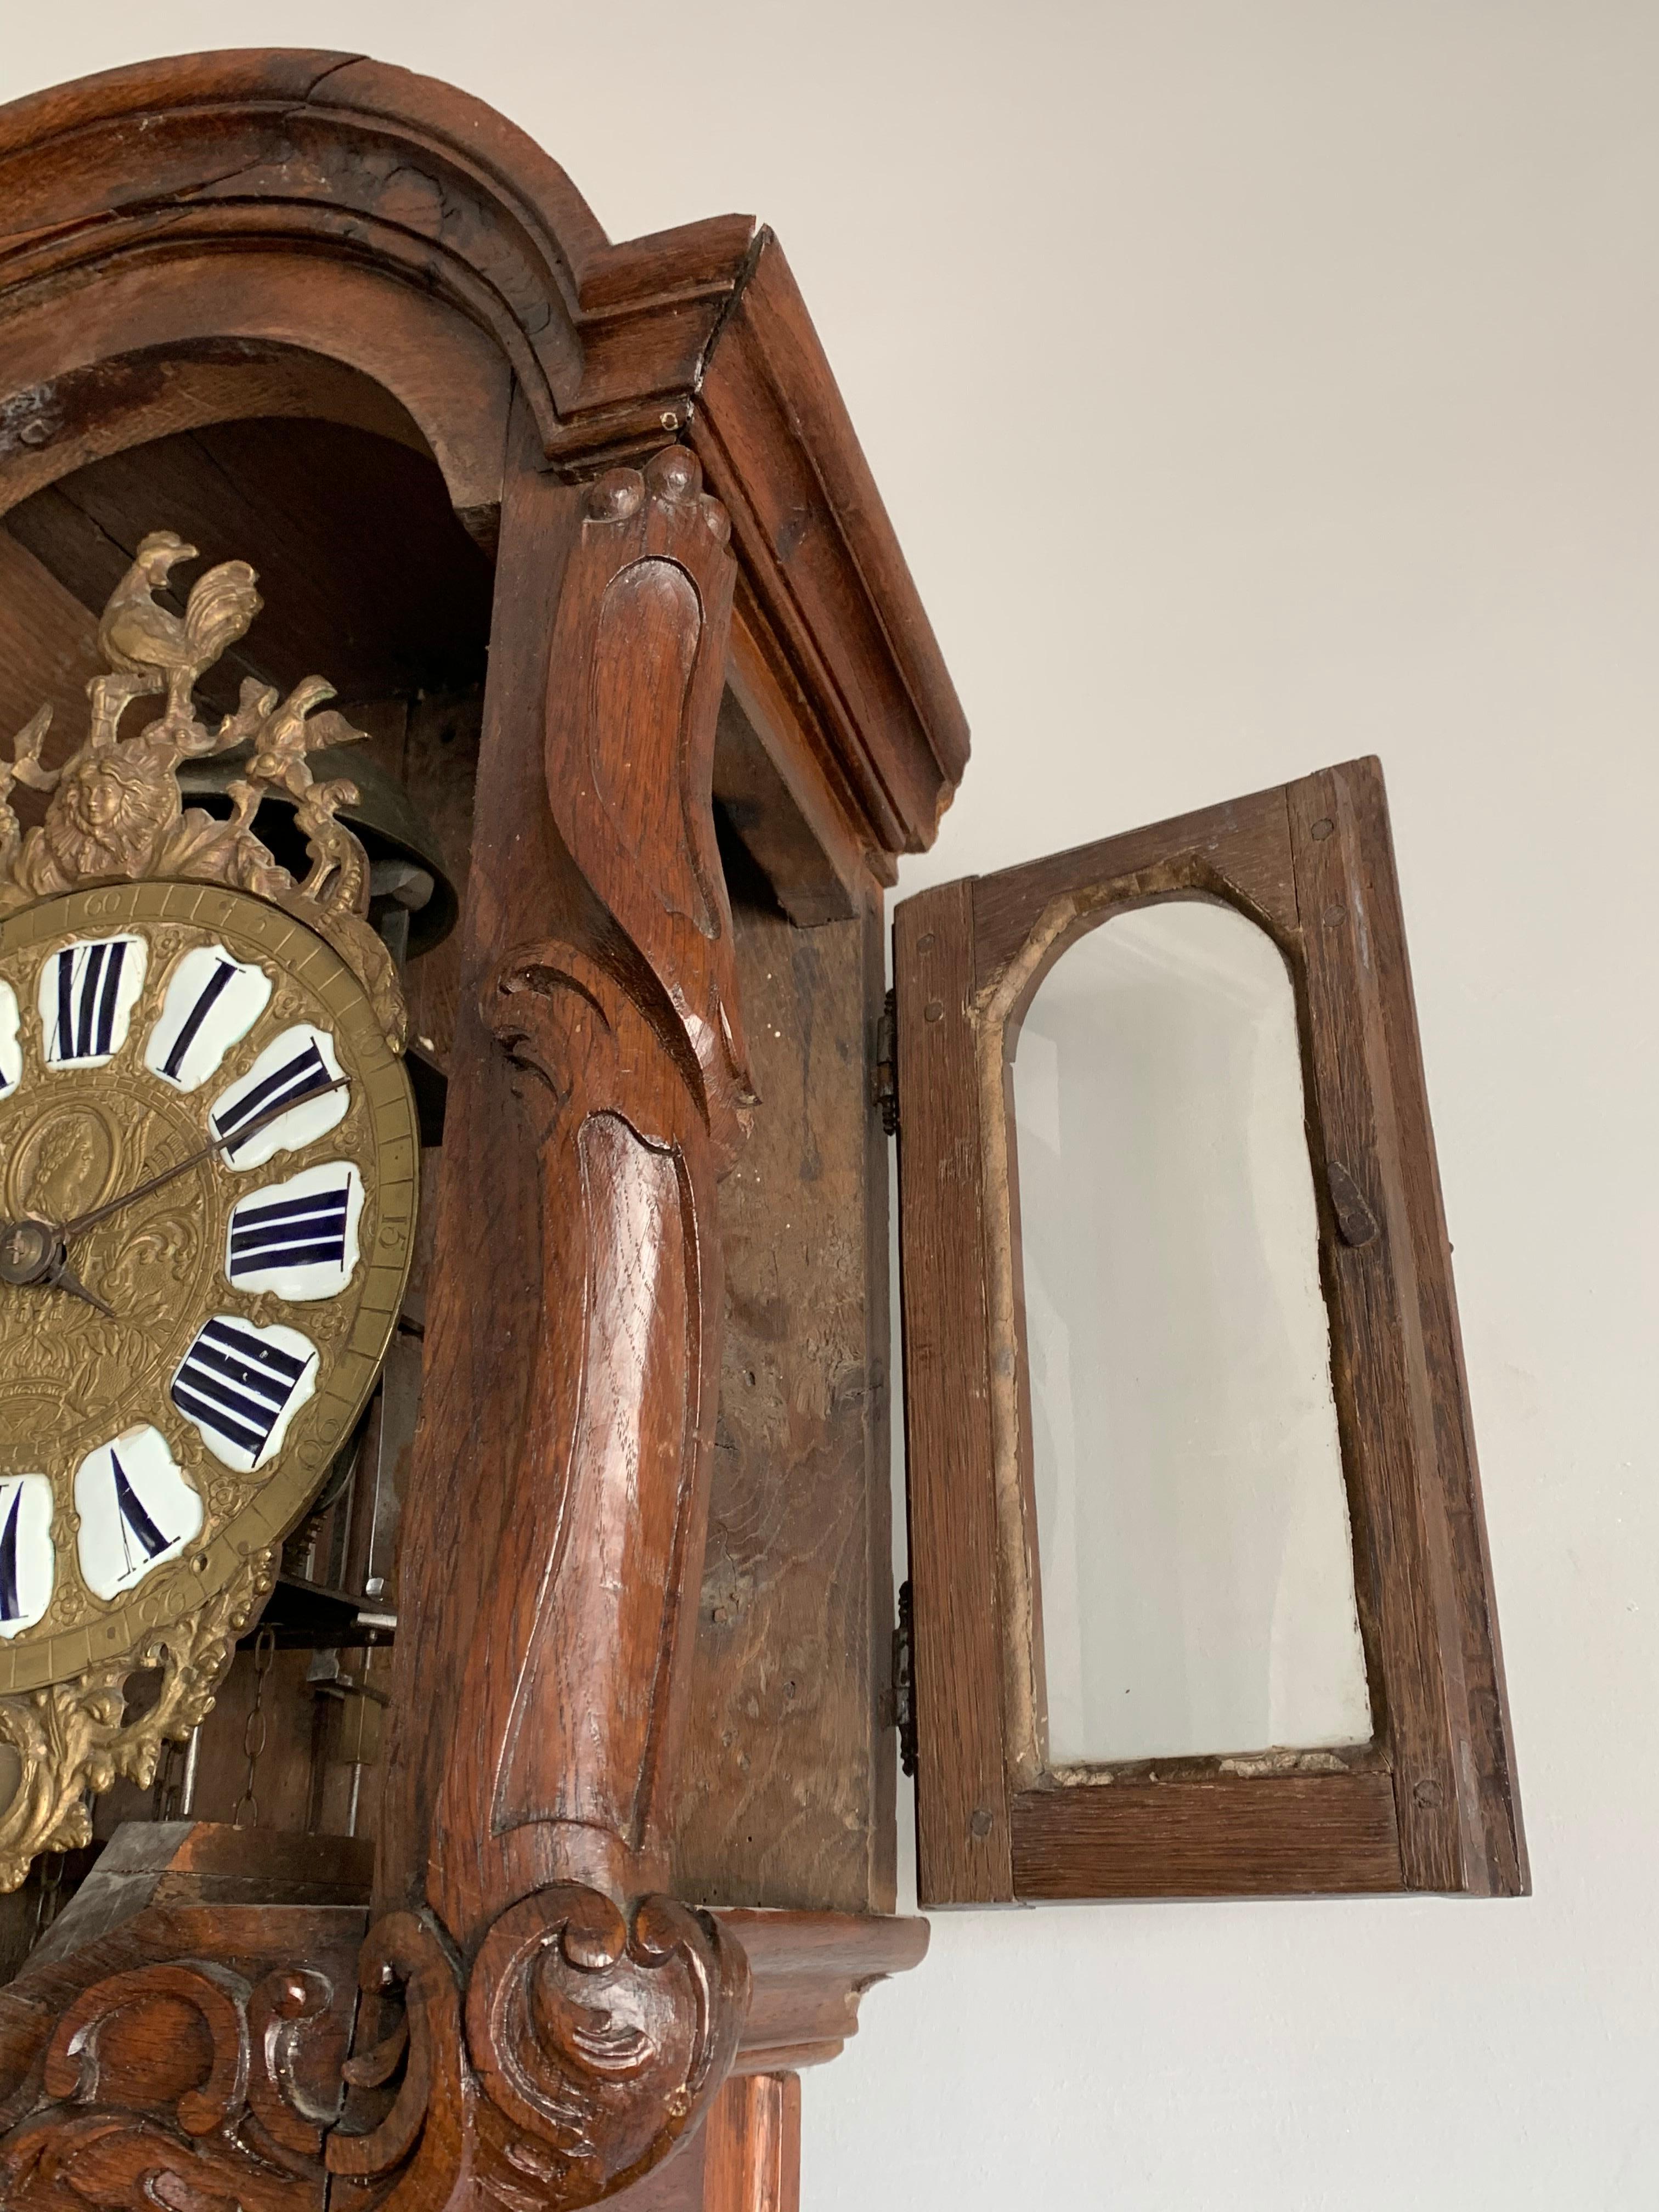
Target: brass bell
(412, 901)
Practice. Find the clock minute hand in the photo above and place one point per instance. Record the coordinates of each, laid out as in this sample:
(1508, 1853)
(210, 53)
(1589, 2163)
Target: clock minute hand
(85, 1221)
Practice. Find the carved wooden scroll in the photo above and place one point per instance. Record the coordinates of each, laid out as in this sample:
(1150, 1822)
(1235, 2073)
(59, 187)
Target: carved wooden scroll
(170, 2044)
(184, 2084)
(541, 2024)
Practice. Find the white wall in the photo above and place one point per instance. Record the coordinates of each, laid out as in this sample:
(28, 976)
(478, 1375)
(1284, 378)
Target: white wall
(1328, 337)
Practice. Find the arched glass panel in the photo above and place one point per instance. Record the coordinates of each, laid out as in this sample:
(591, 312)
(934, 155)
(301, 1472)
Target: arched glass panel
(1197, 1567)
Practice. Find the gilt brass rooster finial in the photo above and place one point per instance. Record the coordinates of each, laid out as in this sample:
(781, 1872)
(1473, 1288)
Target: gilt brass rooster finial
(149, 650)
(116, 814)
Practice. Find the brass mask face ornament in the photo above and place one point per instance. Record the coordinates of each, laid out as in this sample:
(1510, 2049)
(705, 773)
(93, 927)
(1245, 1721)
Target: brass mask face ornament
(208, 1163)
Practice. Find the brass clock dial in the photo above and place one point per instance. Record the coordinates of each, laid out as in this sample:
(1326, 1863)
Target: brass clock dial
(208, 1153)
(208, 1162)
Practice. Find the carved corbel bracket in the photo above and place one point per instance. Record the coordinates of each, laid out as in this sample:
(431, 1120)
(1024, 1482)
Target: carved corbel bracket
(638, 665)
(627, 1027)
(583, 2044)
(622, 1402)
(167, 2047)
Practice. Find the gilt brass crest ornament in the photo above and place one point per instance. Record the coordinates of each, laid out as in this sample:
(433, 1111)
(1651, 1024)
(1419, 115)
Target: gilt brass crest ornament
(208, 1161)
(116, 814)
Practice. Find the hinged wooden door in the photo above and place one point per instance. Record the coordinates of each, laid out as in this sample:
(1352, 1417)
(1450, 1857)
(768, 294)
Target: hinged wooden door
(1423, 1798)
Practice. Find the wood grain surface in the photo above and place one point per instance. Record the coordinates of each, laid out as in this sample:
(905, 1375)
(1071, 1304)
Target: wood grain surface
(811, 1972)
(786, 1791)
(1294, 1835)
(1396, 1356)
(751, 2155)
(184, 2027)
(822, 567)
(964, 1842)
(331, 598)
(1499, 1852)
(744, 2157)
(48, 651)
(1245, 842)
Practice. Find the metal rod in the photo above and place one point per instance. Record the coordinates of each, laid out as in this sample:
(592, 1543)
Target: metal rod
(187, 1787)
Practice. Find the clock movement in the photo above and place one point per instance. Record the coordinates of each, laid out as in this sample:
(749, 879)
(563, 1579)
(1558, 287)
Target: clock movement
(209, 1153)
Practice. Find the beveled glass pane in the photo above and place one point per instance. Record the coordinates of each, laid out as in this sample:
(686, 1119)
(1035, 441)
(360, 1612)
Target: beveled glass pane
(1197, 1567)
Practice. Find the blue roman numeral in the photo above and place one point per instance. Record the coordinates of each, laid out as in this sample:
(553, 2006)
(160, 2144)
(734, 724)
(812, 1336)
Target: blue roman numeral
(237, 1385)
(9, 1607)
(212, 991)
(288, 1085)
(135, 1523)
(89, 991)
(290, 1232)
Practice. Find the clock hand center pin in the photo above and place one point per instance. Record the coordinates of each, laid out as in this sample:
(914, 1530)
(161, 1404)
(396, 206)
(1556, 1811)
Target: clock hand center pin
(32, 1253)
(27, 1248)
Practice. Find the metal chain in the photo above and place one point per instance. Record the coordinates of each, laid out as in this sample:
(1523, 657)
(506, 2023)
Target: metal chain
(51, 1884)
(253, 1733)
(170, 1768)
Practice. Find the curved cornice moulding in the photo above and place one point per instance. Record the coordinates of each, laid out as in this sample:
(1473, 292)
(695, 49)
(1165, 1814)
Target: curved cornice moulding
(368, 161)
(325, 201)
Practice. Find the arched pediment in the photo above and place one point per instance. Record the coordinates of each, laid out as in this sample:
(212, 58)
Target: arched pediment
(308, 161)
(294, 231)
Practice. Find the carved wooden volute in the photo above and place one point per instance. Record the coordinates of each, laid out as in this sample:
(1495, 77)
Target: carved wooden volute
(634, 679)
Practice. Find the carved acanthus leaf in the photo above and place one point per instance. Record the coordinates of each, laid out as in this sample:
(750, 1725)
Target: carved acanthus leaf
(645, 613)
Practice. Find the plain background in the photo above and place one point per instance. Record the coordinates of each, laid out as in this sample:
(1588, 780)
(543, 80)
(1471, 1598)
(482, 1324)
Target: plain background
(1252, 387)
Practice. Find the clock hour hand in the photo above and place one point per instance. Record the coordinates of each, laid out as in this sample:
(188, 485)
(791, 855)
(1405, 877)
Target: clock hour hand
(85, 1221)
(63, 1279)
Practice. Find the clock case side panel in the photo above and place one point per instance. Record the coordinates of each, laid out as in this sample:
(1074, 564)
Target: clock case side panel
(787, 1781)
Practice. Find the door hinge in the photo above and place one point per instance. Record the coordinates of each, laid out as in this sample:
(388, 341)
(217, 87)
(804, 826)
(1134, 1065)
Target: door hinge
(904, 1694)
(886, 1068)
